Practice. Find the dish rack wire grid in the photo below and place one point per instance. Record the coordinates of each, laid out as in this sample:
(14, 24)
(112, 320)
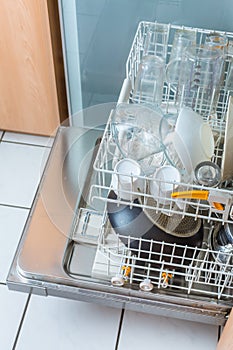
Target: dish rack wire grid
(176, 268)
(137, 52)
(199, 272)
(108, 153)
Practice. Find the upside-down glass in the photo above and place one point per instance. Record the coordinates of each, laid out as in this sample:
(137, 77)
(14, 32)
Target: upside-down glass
(216, 41)
(155, 41)
(199, 81)
(183, 38)
(148, 86)
(135, 130)
(229, 76)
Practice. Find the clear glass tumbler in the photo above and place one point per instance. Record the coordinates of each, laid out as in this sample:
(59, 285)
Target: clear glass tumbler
(199, 81)
(148, 86)
(156, 38)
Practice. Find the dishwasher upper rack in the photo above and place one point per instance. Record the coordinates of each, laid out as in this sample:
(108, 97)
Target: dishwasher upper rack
(136, 54)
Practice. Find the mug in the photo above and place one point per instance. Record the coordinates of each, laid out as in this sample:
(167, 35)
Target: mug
(165, 181)
(127, 180)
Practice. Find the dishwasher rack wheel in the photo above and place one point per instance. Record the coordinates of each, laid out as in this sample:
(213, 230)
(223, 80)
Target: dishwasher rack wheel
(146, 285)
(118, 280)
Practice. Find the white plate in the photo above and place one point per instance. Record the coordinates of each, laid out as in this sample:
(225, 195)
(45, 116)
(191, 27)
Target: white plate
(193, 139)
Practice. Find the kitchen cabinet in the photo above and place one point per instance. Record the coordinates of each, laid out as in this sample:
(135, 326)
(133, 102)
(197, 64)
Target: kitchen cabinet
(226, 339)
(32, 84)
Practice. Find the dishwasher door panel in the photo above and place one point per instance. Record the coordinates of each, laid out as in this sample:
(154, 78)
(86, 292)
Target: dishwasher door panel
(46, 248)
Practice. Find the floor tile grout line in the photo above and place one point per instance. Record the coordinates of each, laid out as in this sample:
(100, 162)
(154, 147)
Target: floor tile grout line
(21, 322)
(14, 206)
(3, 132)
(119, 329)
(26, 144)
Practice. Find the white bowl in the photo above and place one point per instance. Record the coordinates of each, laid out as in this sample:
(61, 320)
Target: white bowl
(193, 139)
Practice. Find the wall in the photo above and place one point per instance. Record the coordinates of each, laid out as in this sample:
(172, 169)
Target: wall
(106, 29)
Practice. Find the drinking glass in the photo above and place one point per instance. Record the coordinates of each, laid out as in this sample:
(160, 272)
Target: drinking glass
(183, 38)
(156, 38)
(135, 130)
(198, 83)
(148, 87)
(229, 76)
(216, 41)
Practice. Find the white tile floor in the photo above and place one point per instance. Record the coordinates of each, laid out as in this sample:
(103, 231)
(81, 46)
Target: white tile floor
(32, 322)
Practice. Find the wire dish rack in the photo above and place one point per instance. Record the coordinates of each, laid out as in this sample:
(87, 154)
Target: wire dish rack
(109, 154)
(155, 265)
(169, 97)
(149, 263)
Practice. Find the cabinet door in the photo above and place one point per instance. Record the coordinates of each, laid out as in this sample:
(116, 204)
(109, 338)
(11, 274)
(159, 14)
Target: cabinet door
(31, 67)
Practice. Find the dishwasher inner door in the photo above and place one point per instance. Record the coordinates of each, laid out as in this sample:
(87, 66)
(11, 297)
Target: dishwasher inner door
(60, 254)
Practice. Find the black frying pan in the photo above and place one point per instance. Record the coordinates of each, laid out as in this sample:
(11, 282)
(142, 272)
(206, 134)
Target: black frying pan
(132, 221)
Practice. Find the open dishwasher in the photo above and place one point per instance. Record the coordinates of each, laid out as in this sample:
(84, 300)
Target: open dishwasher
(73, 245)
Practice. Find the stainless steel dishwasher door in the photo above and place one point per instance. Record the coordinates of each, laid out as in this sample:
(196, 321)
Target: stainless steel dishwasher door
(39, 263)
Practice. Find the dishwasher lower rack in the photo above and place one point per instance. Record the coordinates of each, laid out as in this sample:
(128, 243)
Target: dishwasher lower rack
(152, 266)
(177, 269)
